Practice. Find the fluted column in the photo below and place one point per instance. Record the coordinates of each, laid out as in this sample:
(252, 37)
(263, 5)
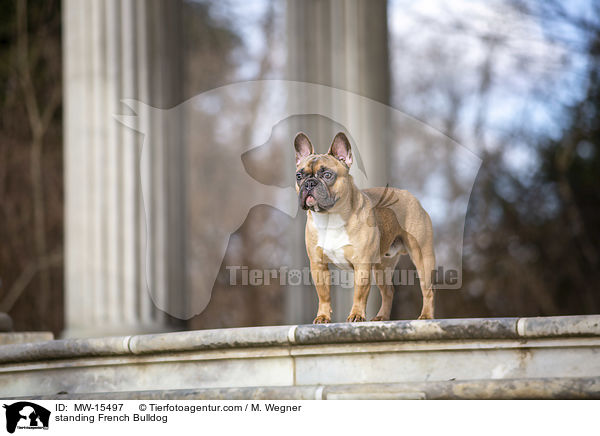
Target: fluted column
(342, 44)
(115, 239)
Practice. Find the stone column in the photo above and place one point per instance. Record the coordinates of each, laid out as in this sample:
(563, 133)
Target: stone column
(343, 44)
(115, 50)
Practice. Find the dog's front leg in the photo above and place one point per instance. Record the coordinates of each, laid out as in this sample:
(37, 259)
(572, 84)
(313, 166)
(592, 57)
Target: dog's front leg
(322, 278)
(362, 286)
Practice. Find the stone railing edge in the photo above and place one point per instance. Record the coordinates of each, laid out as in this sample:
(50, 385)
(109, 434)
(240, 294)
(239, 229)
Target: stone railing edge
(534, 388)
(247, 337)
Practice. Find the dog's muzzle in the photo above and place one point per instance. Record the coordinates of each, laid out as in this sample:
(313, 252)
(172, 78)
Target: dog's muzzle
(307, 197)
(314, 195)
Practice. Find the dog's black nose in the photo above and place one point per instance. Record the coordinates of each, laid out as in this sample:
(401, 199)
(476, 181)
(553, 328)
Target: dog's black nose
(310, 184)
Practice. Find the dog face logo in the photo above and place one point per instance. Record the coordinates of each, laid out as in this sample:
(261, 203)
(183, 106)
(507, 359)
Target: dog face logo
(26, 415)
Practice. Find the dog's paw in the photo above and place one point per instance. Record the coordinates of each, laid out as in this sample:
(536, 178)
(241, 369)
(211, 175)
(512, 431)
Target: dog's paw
(426, 316)
(380, 318)
(355, 317)
(322, 319)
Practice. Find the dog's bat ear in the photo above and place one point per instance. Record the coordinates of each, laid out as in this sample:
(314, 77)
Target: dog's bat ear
(303, 147)
(340, 149)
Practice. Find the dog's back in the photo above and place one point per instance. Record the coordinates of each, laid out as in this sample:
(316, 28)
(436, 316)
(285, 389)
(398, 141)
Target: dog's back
(400, 214)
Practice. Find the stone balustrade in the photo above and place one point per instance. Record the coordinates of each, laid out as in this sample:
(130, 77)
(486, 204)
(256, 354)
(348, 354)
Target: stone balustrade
(549, 357)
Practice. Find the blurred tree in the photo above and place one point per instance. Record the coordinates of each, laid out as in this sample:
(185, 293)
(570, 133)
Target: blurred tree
(517, 82)
(239, 305)
(532, 240)
(31, 155)
(532, 246)
(31, 196)
(209, 43)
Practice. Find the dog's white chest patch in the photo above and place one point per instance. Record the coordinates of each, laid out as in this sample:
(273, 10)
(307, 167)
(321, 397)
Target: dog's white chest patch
(332, 236)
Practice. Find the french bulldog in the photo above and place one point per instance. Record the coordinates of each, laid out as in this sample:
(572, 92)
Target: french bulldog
(364, 230)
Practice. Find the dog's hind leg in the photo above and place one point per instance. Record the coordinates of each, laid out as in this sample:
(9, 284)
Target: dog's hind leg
(427, 286)
(383, 276)
(424, 260)
(387, 295)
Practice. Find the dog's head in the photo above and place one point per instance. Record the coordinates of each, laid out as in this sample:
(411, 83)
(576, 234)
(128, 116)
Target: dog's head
(322, 179)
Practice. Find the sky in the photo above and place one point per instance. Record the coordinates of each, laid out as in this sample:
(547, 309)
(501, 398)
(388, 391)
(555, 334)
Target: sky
(527, 63)
(536, 72)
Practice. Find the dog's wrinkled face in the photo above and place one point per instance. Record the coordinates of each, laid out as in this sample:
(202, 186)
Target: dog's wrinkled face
(321, 179)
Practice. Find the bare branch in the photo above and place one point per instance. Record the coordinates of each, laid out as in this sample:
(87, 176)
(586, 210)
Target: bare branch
(27, 275)
(38, 125)
(31, 103)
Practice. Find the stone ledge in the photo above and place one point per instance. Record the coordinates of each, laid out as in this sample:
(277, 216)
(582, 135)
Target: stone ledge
(540, 388)
(25, 337)
(64, 349)
(563, 326)
(211, 339)
(421, 330)
(96, 366)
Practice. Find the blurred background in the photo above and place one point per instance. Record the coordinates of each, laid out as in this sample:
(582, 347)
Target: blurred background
(514, 81)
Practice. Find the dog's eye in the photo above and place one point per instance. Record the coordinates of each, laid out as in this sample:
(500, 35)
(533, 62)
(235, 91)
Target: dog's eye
(327, 175)
(298, 176)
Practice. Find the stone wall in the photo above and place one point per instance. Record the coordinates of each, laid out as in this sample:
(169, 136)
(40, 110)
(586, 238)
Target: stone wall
(555, 357)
